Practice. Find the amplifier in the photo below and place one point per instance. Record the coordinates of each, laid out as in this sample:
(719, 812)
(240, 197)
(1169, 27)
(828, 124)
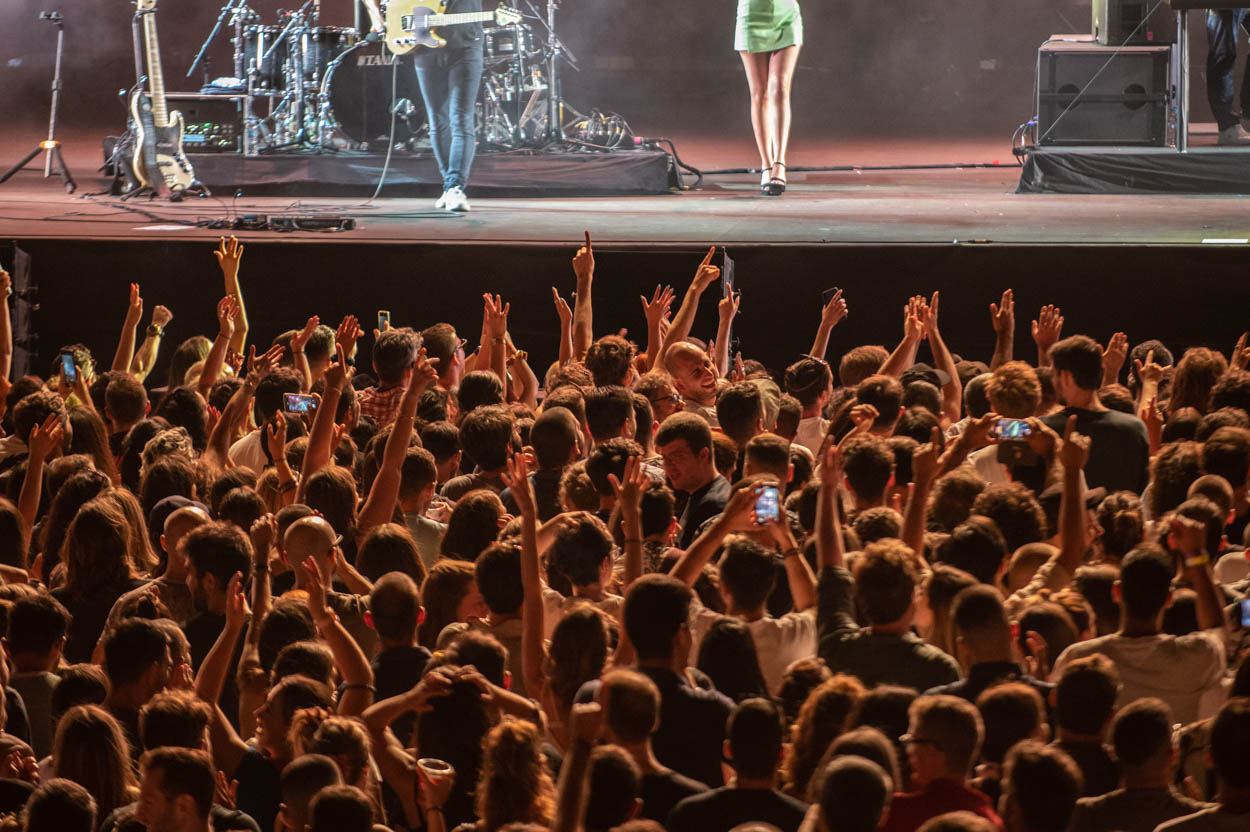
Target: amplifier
(214, 122)
(1119, 22)
(1125, 98)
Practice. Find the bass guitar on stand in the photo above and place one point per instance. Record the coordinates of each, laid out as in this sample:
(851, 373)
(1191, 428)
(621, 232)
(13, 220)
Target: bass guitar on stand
(159, 160)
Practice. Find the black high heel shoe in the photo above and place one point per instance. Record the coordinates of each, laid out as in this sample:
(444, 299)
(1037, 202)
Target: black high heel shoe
(777, 184)
(765, 178)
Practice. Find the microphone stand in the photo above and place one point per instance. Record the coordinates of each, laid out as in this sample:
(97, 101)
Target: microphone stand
(51, 148)
(221, 19)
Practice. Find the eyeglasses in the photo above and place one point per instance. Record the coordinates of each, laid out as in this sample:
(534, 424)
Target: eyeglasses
(912, 739)
(675, 398)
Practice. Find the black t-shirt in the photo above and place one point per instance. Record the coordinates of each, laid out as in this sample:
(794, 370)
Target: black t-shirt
(202, 630)
(661, 792)
(398, 670)
(260, 788)
(1098, 765)
(706, 502)
(1119, 448)
(546, 495)
(720, 810)
(90, 614)
(220, 819)
(463, 34)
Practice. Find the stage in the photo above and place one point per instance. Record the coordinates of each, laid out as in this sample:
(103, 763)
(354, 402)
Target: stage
(879, 234)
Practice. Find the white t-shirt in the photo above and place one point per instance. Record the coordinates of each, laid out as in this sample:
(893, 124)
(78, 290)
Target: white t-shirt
(556, 604)
(811, 433)
(1208, 820)
(1187, 672)
(779, 642)
(248, 452)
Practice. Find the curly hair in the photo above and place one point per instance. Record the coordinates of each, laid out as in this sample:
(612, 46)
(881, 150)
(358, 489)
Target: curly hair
(953, 495)
(1015, 511)
(824, 716)
(514, 786)
(1120, 518)
(1014, 390)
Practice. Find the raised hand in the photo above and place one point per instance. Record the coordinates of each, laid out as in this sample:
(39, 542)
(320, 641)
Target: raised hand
(161, 316)
(424, 373)
(831, 463)
(1150, 372)
(46, 438)
(913, 321)
(834, 311)
(229, 253)
(1186, 535)
(657, 309)
(1048, 327)
(317, 605)
(338, 373)
(1113, 357)
(496, 316)
(263, 364)
(727, 309)
(584, 261)
(863, 416)
(226, 791)
(275, 436)
(348, 333)
(237, 609)
(226, 309)
(926, 458)
(516, 475)
(301, 338)
(263, 533)
(234, 361)
(1003, 314)
(1241, 354)
(6, 284)
(740, 510)
(630, 487)
(586, 723)
(1074, 452)
(134, 311)
(927, 311)
(707, 273)
(562, 308)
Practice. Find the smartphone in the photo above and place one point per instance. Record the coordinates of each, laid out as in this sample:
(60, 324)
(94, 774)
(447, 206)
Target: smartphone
(1242, 613)
(384, 320)
(767, 505)
(827, 296)
(68, 370)
(298, 403)
(1012, 430)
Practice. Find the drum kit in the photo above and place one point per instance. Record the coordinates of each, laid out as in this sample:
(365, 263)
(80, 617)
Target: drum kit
(325, 88)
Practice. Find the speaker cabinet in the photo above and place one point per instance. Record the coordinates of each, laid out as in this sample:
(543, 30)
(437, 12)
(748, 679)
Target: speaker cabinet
(1116, 22)
(1095, 95)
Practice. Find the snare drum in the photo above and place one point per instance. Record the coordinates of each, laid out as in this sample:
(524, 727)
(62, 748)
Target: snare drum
(319, 45)
(257, 40)
(504, 43)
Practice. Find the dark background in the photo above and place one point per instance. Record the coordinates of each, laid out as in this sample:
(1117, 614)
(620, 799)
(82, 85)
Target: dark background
(886, 67)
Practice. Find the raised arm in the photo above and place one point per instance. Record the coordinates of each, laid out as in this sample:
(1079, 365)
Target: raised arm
(497, 317)
(952, 390)
(43, 440)
(298, 342)
(217, 353)
(1073, 454)
(904, 354)
(798, 573)
(213, 672)
(1003, 317)
(656, 313)
(833, 312)
(321, 437)
(348, 657)
(228, 256)
(924, 469)
(1046, 331)
(583, 317)
(739, 515)
(126, 344)
(566, 326)
(726, 310)
(1113, 358)
(1188, 538)
(828, 529)
(703, 278)
(523, 377)
(533, 614)
(585, 726)
(379, 507)
(6, 325)
(629, 491)
(145, 357)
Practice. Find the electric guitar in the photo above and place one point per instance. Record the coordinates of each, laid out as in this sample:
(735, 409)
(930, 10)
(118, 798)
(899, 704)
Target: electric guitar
(411, 23)
(159, 160)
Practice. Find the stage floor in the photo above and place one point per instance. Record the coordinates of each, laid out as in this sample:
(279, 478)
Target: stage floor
(942, 206)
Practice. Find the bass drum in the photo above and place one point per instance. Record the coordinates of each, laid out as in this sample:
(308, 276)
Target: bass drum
(358, 87)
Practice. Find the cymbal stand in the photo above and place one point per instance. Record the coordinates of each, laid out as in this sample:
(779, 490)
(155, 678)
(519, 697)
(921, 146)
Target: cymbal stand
(221, 19)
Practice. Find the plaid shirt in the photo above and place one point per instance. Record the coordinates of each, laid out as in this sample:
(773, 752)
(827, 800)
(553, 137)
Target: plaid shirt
(382, 406)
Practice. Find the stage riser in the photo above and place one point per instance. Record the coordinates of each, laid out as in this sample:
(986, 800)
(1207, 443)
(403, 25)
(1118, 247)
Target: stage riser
(83, 286)
(1080, 170)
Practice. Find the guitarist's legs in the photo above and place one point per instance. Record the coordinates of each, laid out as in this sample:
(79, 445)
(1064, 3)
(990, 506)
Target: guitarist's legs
(464, 80)
(432, 75)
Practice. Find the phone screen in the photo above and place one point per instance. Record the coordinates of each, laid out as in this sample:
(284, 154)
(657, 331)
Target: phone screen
(1012, 429)
(298, 403)
(767, 505)
(68, 369)
(384, 320)
(1245, 613)
(827, 296)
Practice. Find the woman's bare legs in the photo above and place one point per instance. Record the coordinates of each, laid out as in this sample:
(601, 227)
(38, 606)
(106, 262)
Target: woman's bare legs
(781, 66)
(756, 65)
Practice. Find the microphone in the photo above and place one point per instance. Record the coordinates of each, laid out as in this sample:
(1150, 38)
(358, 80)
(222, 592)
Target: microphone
(373, 37)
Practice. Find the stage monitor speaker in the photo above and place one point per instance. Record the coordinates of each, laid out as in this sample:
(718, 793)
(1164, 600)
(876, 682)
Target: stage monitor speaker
(214, 122)
(1097, 95)
(1116, 22)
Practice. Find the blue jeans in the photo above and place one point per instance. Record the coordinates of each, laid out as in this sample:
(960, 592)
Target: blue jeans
(1222, 26)
(449, 79)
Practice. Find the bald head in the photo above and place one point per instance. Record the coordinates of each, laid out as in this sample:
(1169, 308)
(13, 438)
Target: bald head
(179, 523)
(309, 537)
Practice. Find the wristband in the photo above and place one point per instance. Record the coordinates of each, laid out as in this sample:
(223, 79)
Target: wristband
(155, 330)
(790, 553)
(1197, 560)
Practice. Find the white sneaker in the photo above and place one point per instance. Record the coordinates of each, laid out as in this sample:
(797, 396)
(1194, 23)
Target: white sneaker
(455, 200)
(1234, 135)
(442, 202)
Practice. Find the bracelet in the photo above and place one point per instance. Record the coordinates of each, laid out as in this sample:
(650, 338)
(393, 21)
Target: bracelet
(358, 686)
(790, 553)
(289, 485)
(155, 330)
(1198, 560)
(297, 352)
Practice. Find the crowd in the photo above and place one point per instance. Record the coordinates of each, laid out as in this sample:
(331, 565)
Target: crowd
(410, 587)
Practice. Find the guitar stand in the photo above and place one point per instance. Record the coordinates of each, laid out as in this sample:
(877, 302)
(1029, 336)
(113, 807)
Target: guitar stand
(50, 147)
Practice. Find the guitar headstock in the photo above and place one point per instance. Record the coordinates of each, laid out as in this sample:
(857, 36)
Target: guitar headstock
(145, 5)
(504, 16)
